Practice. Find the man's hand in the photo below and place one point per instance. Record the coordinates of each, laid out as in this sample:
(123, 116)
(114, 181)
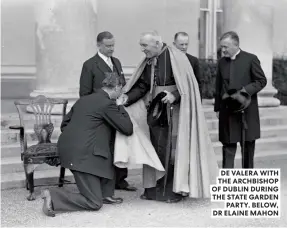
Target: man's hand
(225, 95)
(168, 98)
(243, 90)
(122, 100)
(217, 115)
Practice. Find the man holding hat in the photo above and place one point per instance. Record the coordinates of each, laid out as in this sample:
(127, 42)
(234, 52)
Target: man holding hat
(239, 79)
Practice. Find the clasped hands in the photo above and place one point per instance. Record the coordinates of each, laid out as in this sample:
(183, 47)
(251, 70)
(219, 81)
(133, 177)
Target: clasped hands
(123, 98)
(236, 95)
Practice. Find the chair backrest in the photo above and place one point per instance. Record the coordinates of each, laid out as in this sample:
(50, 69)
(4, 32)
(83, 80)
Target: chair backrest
(41, 107)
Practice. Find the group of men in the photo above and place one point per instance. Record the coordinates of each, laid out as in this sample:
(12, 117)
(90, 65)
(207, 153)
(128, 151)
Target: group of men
(86, 144)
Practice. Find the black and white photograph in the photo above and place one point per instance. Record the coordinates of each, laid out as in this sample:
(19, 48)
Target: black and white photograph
(143, 113)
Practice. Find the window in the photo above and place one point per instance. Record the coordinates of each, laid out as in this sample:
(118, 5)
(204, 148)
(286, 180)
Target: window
(210, 27)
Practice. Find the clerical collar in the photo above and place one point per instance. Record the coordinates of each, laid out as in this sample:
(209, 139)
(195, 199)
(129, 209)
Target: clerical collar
(234, 56)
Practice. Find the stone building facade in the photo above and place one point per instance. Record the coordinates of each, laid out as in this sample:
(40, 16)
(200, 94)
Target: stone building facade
(45, 42)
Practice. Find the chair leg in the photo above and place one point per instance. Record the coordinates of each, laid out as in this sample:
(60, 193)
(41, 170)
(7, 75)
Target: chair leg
(27, 184)
(26, 174)
(62, 177)
(30, 183)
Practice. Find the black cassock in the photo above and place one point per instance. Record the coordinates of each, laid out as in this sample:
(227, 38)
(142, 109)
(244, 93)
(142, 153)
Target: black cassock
(243, 72)
(159, 134)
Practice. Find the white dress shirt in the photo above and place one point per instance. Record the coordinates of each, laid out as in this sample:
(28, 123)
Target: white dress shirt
(107, 60)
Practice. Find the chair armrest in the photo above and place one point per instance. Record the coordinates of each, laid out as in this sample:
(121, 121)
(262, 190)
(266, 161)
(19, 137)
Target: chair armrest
(23, 141)
(16, 127)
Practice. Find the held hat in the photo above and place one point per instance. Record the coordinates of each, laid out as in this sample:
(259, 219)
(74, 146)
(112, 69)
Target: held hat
(236, 100)
(157, 111)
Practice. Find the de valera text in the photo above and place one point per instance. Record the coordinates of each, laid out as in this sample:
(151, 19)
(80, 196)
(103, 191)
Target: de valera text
(250, 172)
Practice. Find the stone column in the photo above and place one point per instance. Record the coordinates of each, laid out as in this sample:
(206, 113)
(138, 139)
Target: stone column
(65, 38)
(253, 21)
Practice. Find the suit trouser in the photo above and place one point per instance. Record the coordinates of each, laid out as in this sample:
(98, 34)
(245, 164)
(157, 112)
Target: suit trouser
(229, 151)
(92, 190)
(121, 175)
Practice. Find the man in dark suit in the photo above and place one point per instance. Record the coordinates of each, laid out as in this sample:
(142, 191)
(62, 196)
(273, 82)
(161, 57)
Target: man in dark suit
(238, 70)
(93, 73)
(86, 148)
(181, 41)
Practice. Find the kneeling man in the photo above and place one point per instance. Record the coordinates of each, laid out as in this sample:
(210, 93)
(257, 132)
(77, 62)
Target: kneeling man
(86, 148)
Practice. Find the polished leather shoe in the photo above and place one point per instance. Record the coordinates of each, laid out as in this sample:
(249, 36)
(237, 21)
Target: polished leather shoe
(144, 197)
(127, 188)
(47, 204)
(112, 200)
(174, 200)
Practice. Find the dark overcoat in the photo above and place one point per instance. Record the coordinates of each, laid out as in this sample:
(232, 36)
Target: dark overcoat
(88, 133)
(243, 72)
(93, 73)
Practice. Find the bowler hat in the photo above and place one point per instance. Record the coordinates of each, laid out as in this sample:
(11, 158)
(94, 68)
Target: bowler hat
(236, 100)
(157, 111)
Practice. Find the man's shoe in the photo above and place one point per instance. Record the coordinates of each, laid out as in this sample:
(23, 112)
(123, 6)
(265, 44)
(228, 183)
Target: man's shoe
(47, 204)
(127, 188)
(175, 200)
(143, 197)
(112, 200)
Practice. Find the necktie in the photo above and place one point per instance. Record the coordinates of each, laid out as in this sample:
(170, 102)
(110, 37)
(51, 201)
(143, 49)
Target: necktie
(110, 64)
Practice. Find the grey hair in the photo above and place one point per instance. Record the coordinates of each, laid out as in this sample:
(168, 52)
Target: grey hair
(154, 34)
(232, 35)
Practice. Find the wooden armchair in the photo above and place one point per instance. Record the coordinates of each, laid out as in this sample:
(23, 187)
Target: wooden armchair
(44, 151)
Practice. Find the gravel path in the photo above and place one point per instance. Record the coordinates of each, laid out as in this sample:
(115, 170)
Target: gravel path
(134, 212)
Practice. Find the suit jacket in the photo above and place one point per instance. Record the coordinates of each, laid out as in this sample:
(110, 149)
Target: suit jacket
(93, 73)
(88, 133)
(195, 66)
(243, 72)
